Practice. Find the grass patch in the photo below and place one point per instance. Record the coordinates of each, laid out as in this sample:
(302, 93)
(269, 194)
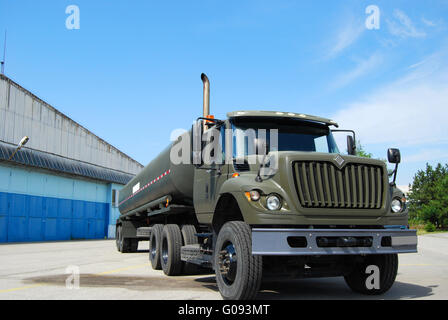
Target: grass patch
(422, 228)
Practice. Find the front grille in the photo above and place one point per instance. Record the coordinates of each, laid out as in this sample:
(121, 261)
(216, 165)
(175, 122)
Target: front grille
(322, 184)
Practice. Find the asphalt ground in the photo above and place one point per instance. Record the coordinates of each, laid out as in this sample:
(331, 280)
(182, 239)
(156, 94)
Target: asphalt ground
(42, 271)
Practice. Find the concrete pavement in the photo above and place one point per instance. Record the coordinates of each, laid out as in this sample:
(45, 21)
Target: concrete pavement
(39, 271)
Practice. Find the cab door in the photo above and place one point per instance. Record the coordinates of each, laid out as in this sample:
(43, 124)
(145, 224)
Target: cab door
(208, 179)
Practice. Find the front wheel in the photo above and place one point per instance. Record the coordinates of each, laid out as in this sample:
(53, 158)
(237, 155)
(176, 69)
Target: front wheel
(238, 272)
(374, 275)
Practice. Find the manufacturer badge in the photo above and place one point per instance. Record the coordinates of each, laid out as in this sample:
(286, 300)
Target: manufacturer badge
(339, 160)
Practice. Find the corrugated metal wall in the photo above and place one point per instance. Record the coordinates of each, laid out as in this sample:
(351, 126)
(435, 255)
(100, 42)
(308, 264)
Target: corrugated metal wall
(23, 114)
(38, 206)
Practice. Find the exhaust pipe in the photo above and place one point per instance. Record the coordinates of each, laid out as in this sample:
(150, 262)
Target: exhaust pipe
(206, 103)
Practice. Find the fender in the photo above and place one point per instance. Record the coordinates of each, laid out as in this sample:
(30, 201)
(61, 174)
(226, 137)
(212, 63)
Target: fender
(244, 183)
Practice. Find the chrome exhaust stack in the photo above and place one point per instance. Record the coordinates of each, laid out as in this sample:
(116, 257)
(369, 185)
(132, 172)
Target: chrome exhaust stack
(206, 103)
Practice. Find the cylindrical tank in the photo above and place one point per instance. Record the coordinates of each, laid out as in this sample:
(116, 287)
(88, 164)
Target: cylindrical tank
(159, 178)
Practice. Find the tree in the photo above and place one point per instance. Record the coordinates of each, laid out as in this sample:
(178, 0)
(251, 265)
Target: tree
(360, 152)
(428, 195)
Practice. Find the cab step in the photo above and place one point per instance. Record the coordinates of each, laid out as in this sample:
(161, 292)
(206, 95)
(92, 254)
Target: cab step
(193, 253)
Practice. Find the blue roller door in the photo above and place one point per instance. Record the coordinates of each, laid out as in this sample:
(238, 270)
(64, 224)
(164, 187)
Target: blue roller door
(34, 218)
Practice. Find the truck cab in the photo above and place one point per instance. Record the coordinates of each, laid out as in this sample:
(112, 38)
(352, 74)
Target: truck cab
(312, 179)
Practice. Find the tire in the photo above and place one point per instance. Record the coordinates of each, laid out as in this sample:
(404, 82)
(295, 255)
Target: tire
(125, 245)
(388, 267)
(242, 279)
(154, 246)
(129, 245)
(170, 250)
(118, 238)
(188, 236)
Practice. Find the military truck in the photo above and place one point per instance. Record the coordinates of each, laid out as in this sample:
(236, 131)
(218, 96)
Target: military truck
(317, 213)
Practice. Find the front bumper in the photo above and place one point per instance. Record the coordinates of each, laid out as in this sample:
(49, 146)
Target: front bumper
(275, 241)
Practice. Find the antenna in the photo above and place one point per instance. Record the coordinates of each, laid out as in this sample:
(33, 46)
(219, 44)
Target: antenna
(4, 56)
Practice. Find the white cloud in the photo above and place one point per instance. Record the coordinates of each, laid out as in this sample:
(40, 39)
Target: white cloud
(404, 27)
(362, 68)
(404, 188)
(409, 112)
(402, 116)
(345, 37)
(428, 23)
(427, 155)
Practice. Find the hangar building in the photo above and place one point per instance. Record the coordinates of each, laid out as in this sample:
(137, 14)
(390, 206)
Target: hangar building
(63, 183)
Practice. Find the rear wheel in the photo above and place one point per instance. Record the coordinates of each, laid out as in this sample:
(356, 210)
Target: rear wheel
(118, 238)
(129, 245)
(189, 237)
(154, 246)
(361, 278)
(125, 245)
(238, 272)
(170, 250)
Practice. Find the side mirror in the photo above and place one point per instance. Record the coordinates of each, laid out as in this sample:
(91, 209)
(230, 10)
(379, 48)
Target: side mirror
(196, 137)
(393, 155)
(351, 146)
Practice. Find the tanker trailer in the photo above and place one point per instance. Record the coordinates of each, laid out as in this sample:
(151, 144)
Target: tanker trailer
(160, 185)
(272, 196)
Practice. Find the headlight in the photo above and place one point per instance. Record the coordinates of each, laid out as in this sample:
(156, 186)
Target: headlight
(273, 202)
(253, 195)
(396, 205)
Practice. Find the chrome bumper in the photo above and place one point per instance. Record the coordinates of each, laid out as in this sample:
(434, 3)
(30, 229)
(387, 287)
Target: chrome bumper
(275, 241)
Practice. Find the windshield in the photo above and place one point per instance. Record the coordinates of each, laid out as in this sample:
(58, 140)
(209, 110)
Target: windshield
(293, 135)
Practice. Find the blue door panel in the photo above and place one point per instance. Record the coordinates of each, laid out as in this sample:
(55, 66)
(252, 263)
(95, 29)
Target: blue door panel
(3, 228)
(51, 207)
(36, 206)
(78, 229)
(64, 208)
(91, 228)
(4, 199)
(17, 229)
(90, 210)
(18, 205)
(99, 231)
(35, 229)
(64, 229)
(78, 209)
(51, 230)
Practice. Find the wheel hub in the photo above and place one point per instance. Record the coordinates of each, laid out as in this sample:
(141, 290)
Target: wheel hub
(228, 263)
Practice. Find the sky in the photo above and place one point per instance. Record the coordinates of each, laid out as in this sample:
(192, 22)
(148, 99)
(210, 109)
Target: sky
(131, 72)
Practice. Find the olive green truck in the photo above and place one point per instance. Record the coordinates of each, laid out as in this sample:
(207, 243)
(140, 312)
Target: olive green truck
(275, 197)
